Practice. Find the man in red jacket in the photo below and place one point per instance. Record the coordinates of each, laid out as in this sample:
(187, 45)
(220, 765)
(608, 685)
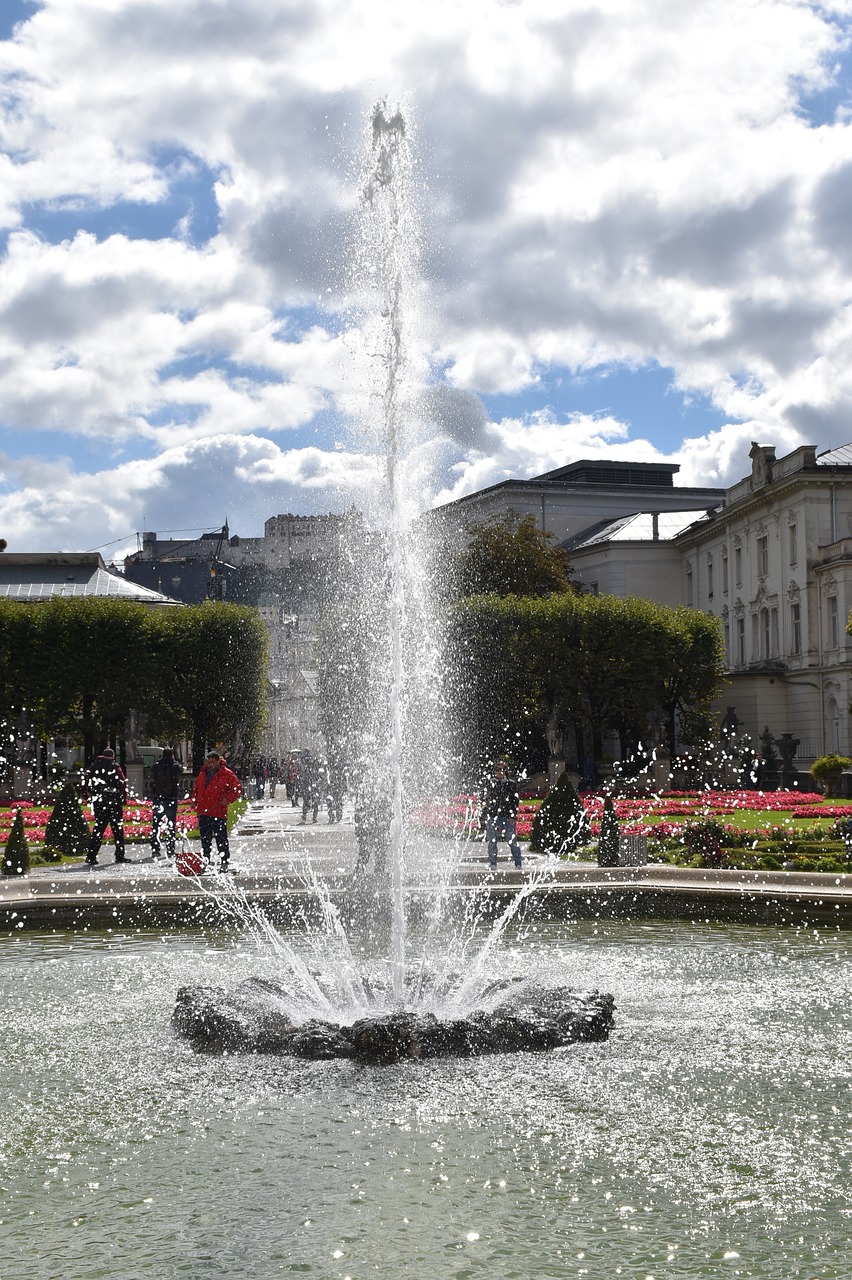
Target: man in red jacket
(215, 788)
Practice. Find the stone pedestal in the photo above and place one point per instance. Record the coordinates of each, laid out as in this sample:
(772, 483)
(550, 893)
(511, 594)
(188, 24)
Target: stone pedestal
(136, 780)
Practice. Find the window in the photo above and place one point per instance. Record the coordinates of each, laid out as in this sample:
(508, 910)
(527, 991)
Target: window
(762, 557)
(727, 629)
(741, 652)
(738, 566)
(833, 629)
(793, 542)
(796, 620)
(725, 572)
(689, 589)
(765, 634)
(773, 633)
(710, 579)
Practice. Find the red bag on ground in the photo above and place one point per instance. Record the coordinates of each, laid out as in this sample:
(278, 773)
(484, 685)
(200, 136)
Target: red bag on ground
(189, 861)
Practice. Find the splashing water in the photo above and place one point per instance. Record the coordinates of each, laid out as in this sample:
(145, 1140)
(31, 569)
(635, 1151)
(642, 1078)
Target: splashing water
(393, 729)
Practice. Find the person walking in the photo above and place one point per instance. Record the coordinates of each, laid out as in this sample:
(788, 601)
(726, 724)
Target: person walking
(165, 791)
(273, 770)
(215, 788)
(310, 784)
(292, 777)
(500, 813)
(106, 786)
(260, 773)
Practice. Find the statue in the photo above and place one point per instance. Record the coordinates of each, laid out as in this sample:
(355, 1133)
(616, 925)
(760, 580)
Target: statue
(787, 746)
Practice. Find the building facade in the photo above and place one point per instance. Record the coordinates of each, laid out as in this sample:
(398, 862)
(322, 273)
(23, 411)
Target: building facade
(773, 562)
(580, 498)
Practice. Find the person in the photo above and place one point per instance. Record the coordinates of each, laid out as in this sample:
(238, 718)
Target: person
(310, 783)
(165, 789)
(215, 788)
(106, 785)
(500, 813)
(273, 771)
(336, 787)
(292, 777)
(259, 770)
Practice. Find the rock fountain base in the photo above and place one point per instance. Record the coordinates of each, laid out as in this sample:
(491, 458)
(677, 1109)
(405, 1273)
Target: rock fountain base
(251, 1019)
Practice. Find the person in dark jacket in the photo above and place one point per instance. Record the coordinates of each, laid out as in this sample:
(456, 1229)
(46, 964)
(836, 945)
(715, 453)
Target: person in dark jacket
(260, 772)
(165, 792)
(500, 813)
(310, 783)
(106, 785)
(215, 788)
(292, 777)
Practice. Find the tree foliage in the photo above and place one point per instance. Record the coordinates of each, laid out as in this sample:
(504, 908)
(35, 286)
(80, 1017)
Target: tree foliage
(508, 555)
(78, 666)
(16, 854)
(587, 664)
(67, 830)
(560, 826)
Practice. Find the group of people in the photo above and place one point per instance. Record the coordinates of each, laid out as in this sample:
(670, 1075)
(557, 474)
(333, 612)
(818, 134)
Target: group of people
(265, 772)
(215, 788)
(306, 775)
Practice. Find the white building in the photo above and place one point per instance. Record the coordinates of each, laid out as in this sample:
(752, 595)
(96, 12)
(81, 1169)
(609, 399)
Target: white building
(773, 562)
(581, 496)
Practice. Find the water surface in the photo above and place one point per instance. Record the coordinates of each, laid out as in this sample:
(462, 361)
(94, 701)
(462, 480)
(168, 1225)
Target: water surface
(708, 1137)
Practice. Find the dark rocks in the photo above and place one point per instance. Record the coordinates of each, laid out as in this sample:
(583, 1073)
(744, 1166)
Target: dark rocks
(252, 1019)
(249, 1019)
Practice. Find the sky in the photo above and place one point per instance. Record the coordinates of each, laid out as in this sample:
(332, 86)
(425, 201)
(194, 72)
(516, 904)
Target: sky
(633, 230)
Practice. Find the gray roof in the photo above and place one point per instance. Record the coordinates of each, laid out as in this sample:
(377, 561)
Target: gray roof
(636, 528)
(841, 457)
(46, 575)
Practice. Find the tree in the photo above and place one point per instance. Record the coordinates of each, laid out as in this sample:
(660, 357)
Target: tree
(78, 666)
(67, 830)
(591, 664)
(692, 669)
(561, 825)
(16, 856)
(508, 555)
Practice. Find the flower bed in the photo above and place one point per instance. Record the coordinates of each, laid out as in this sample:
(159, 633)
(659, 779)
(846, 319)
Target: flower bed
(663, 817)
(137, 820)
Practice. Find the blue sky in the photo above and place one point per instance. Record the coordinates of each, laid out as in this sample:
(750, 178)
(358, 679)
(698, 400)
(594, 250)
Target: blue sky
(661, 272)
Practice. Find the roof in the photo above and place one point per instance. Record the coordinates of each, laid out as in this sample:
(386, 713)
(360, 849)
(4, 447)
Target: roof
(590, 474)
(841, 457)
(639, 527)
(48, 575)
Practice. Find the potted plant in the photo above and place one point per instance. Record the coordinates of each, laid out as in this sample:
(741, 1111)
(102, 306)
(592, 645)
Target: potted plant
(826, 772)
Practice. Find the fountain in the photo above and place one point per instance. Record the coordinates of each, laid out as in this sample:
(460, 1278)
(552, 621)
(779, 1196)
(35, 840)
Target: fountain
(393, 734)
(705, 1138)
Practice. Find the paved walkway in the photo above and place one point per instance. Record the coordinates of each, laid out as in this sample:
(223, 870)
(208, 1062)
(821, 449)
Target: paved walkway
(276, 858)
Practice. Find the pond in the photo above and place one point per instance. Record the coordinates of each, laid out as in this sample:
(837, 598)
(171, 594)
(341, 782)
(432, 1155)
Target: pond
(708, 1137)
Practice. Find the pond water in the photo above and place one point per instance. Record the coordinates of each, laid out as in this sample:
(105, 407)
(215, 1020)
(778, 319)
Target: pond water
(708, 1137)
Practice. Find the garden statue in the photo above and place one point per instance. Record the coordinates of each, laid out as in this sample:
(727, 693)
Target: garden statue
(787, 746)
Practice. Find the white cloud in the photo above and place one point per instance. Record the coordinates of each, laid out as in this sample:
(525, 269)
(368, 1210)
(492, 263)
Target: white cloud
(51, 505)
(600, 183)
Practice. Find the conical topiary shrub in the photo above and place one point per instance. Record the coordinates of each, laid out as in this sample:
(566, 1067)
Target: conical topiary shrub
(16, 855)
(561, 824)
(609, 837)
(67, 830)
